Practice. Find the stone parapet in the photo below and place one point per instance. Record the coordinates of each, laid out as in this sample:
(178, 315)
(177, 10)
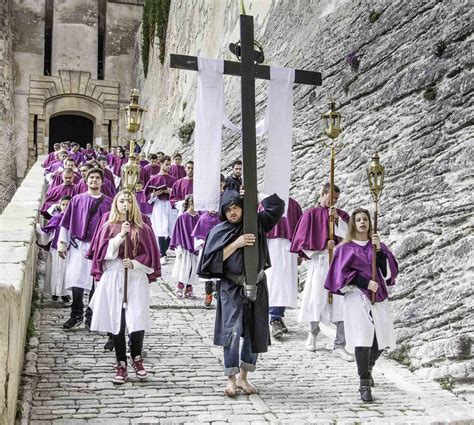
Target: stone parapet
(18, 260)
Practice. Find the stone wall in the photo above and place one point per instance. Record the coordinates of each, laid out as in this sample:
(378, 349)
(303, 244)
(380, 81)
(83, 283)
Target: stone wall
(18, 257)
(410, 98)
(7, 162)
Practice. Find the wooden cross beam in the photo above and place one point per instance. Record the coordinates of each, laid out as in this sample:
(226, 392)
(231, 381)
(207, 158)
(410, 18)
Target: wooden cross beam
(248, 70)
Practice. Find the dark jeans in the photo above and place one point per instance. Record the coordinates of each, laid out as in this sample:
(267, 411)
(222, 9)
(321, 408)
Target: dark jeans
(210, 287)
(366, 358)
(77, 306)
(276, 313)
(136, 342)
(164, 244)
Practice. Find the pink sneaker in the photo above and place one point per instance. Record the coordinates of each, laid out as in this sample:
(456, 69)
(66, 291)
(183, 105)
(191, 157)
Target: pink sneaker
(189, 293)
(137, 364)
(179, 290)
(121, 373)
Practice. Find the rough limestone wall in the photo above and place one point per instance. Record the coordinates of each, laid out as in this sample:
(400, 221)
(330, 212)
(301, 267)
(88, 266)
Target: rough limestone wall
(7, 163)
(426, 145)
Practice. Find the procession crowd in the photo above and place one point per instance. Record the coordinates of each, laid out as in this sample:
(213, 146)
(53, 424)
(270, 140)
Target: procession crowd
(107, 244)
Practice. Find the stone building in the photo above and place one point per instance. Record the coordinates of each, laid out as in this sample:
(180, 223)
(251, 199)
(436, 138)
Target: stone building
(71, 71)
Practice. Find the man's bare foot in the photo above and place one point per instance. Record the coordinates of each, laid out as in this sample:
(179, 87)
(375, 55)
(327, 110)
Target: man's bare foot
(246, 386)
(231, 388)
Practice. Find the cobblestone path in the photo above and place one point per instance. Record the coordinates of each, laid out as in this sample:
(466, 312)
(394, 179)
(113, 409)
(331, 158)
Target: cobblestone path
(67, 378)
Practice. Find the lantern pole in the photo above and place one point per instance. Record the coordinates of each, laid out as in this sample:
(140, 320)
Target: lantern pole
(375, 175)
(130, 171)
(332, 121)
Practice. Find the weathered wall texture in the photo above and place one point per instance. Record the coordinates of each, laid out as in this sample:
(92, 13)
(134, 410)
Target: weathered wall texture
(28, 47)
(7, 163)
(18, 257)
(426, 145)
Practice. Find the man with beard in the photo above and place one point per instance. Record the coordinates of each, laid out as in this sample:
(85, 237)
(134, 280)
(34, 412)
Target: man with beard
(236, 315)
(234, 181)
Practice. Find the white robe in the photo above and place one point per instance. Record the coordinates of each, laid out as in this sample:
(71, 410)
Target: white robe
(282, 277)
(315, 306)
(185, 266)
(163, 217)
(107, 301)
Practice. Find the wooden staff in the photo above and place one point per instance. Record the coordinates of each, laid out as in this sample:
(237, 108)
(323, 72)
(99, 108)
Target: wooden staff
(331, 218)
(374, 253)
(125, 274)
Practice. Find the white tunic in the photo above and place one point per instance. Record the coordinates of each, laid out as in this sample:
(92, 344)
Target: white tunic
(362, 319)
(78, 267)
(107, 301)
(282, 277)
(163, 217)
(185, 266)
(315, 306)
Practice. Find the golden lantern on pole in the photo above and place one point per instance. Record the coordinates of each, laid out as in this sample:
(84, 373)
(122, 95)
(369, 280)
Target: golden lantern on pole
(332, 128)
(375, 175)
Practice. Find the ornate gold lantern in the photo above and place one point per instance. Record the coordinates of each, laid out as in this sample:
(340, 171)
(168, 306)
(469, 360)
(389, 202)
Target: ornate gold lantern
(375, 174)
(332, 121)
(134, 113)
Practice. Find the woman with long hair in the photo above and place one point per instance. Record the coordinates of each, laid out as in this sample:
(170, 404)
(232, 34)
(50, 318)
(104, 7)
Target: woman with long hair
(109, 262)
(368, 327)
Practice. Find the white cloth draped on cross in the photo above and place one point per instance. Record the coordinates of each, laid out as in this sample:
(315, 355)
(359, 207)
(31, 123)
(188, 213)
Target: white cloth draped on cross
(211, 117)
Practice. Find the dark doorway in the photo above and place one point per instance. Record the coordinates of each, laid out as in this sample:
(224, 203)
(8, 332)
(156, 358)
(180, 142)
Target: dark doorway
(74, 128)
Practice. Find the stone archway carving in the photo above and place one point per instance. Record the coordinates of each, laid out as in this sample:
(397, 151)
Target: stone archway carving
(73, 92)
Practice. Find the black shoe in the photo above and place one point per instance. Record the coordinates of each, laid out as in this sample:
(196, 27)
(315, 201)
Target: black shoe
(371, 380)
(277, 329)
(87, 323)
(73, 322)
(365, 391)
(109, 345)
(67, 302)
(54, 298)
(283, 327)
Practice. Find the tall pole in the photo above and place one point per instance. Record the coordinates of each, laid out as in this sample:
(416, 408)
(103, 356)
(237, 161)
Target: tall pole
(331, 218)
(125, 276)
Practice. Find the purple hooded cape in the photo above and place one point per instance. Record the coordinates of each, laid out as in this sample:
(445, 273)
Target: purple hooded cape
(182, 232)
(54, 196)
(77, 217)
(146, 251)
(285, 228)
(312, 230)
(181, 188)
(53, 227)
(148, 171)
(204, 225)
(145, 207)
(177, 171)
(350, 260)
(107, 188)
(157, 181)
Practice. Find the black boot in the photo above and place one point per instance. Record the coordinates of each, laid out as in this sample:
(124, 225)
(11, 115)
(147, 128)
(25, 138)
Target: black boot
(371, 379)
(365, 391)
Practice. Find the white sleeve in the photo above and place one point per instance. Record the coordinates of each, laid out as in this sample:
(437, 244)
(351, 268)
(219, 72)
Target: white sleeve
(389, 272)
(113, 247)
(63, 236)
(341, 228)
(152, 200)
(42, 237)
(51, 209)
(310, 254)
(198, 243)
(141, 267)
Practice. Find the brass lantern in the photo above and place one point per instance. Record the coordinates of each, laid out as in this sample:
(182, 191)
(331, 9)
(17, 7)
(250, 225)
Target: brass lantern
(332, 121)
(375, 174)
(133, 113)
(130, 173)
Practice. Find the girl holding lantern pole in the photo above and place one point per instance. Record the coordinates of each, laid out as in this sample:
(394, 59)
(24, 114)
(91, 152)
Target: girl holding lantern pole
(368, 325)
(124, 243)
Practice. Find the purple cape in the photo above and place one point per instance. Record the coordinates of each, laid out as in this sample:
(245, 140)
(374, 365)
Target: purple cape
(110, 159)
(182, 232)
(350, 260)
(55, 195)
(157, 181)
(109, 176)
(58, 180)
(117, 166)
(107, 188)
(54, 166)
(145, 207)
(144, 249)
(53, 226)
(181, 188)
(142, 163)
(177, 171)
(204, 225)
(148, 171)
(312, 230)
(77, 157)
(77, 217)
(286, 227)
(49, 159)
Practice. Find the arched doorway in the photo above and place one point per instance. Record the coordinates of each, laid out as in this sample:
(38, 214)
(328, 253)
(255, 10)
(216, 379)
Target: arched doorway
(75, 128)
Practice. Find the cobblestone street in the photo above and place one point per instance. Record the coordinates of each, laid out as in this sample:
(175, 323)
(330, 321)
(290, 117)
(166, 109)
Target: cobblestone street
(67, 377)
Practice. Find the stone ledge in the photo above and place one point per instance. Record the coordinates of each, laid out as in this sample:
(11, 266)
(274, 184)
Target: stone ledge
(18, 261)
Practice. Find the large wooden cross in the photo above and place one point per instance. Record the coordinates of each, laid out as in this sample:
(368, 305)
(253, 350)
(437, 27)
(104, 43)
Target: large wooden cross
(248, 70)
